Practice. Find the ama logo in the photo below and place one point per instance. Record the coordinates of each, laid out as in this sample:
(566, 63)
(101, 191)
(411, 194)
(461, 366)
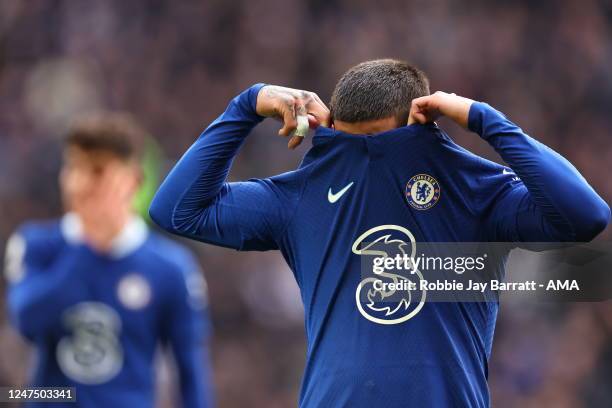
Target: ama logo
(386, 297)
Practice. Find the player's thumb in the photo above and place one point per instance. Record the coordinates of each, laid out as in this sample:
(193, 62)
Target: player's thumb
(415, 115)
(321, 116)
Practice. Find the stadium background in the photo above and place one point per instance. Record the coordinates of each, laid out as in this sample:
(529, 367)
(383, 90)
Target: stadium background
(175, 65)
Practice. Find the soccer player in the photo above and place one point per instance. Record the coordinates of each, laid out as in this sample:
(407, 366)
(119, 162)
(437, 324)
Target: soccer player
(96, 292)
(384, 172)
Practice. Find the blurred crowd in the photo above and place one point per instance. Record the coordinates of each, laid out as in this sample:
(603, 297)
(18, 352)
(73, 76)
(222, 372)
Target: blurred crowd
(175, 65)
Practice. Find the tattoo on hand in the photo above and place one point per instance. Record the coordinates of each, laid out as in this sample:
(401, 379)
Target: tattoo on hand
(291, 107)
(301, 110)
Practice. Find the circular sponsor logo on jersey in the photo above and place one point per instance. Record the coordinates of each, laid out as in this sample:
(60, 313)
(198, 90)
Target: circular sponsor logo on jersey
(422, 191)
(134, 291)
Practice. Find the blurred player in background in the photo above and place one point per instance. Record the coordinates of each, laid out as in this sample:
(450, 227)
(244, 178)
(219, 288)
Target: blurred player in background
(371, 179)
(96, 292)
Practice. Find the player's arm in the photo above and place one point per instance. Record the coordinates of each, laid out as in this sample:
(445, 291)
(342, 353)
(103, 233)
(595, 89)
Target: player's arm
(195, 201)
(40, 290)
(186, 331)
(553, 202)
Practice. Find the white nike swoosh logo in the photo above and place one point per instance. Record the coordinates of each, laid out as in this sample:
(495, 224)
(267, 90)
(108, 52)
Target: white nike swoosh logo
(332, 198)
(515, 178)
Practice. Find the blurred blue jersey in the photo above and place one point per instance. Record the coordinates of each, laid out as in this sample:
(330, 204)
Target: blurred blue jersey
(96, 320)
(408, 185)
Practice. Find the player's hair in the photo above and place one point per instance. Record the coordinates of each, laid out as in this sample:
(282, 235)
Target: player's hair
(377, 89)
(117, 133)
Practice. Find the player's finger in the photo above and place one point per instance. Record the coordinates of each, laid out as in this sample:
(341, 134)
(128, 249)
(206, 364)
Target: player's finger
(417, 117)
(416, 114)
(294, 142)
(313, 122)
(422, 103)
(289, 118)
(421, 118)
(321, 115)
(321, 111)
(301, 129)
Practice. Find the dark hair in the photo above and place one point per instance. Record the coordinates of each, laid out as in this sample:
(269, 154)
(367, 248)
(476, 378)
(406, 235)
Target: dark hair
(117, 133)
(377, 89)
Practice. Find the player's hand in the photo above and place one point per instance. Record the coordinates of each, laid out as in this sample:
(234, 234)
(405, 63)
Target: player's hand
(427, 109)
(292, 107)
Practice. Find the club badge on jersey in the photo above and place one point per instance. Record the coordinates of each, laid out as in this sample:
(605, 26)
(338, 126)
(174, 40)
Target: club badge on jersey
(422, 191)
(134, 292)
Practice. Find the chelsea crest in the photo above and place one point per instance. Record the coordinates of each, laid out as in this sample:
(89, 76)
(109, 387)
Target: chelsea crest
(422, 191)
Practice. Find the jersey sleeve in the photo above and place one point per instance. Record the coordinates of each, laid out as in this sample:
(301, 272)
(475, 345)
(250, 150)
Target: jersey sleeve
(186, 329)
(41, 287)
(546, 199)
(196, 201)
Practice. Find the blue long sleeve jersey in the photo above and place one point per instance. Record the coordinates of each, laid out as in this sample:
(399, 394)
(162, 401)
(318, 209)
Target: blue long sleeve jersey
(96, 320)
(412, 183)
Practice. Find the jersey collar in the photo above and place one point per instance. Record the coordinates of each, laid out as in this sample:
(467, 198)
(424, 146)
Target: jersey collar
(131, 237)
(323, 134)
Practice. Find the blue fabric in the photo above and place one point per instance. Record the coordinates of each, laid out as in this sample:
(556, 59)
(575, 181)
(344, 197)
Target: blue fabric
(68, 299)
(439, 357)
